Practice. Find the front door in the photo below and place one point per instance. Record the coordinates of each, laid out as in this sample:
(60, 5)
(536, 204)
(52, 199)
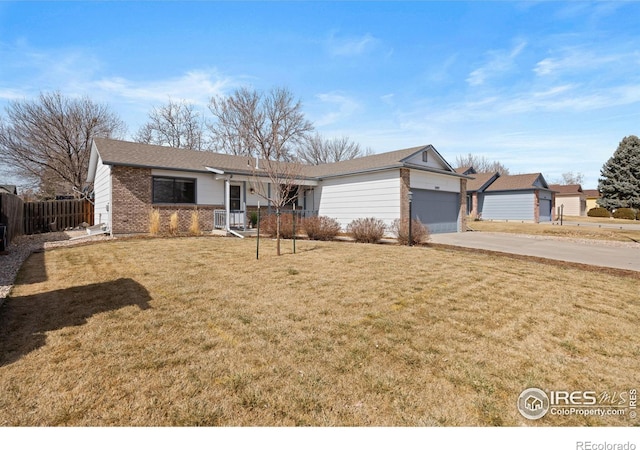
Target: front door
(234, 198)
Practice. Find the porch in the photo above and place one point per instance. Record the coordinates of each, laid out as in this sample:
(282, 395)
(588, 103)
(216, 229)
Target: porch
(238, 217)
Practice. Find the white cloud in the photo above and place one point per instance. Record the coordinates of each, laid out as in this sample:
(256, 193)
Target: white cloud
(351, 46)
(196, 86)
(341, 106)
(499, 62)
(12, 94)
(27, 71)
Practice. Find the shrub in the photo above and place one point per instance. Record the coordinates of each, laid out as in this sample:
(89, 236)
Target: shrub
(625, 213)
(368, 230)
(173, 224)
(194, 229)
(268, 225)
(400, 229)
(154, 222)
(321, 228)
(598, 212)
(253, 219)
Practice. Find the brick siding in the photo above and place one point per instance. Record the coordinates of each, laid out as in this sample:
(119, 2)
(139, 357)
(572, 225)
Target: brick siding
(405, 184)
(131, 206)
(131, 199)
(463, 204)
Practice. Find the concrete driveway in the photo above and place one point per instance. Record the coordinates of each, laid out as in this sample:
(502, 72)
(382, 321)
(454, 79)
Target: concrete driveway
(617, 225)
(619, 255)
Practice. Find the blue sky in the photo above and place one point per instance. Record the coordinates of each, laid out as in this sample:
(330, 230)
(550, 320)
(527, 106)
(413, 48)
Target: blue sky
(540, 86)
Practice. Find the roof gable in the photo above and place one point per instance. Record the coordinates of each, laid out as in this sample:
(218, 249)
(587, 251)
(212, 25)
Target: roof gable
(428, 157)
(466, 170)
(481, 181)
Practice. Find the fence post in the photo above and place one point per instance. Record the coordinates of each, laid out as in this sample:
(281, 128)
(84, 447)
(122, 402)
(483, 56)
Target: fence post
(3, 237)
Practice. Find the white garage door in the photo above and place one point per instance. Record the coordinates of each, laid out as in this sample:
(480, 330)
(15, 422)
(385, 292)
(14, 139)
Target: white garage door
(436, 209)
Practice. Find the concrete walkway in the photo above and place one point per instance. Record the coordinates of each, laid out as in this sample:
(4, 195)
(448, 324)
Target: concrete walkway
(591, 252)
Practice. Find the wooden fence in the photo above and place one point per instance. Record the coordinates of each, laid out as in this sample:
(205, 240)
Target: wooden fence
(41, 217)
(11, 215)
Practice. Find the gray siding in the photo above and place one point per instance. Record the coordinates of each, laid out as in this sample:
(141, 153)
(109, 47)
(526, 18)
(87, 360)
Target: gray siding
(545, 210)
(508, 205)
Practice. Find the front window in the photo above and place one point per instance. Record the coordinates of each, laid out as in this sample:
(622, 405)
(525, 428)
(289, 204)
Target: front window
(174, 190)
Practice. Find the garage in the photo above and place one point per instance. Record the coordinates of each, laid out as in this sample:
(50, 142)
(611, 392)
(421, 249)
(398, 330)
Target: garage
(544, 209)
(438, 210)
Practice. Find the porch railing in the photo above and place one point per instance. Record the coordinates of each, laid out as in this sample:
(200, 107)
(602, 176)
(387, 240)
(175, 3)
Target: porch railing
(237, 219)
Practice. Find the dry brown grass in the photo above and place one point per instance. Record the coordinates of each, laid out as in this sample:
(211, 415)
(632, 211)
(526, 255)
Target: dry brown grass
(154, 222)
(570, 231)
(195, 331)
(194, 227)
(174, 224)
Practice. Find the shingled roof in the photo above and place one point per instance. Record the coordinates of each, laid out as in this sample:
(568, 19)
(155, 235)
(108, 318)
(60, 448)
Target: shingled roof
(566, 189)
(132, 154)
(592, 193)
(521, 182)
(8, 189)
(481, 181)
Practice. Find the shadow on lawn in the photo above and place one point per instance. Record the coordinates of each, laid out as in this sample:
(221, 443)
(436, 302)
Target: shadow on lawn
(24, 321)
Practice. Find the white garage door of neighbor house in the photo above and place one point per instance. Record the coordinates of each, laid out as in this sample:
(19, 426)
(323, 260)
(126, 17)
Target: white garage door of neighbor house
(436, 209)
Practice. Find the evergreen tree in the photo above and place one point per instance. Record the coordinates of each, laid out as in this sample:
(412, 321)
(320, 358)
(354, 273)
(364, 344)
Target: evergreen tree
(619, 184)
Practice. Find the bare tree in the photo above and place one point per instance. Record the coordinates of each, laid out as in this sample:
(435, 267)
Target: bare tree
(481, 164)
(318, 150)
(176, 124)
(277, 182)
(269, 126)
(48, 140)
(569, 178)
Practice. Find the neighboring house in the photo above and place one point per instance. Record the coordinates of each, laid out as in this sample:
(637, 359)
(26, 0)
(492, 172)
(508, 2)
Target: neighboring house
(129, 179)
(571, 198)
(592, 196)
(475, 189)
(8, 189)
(491, 196)
(518, 197)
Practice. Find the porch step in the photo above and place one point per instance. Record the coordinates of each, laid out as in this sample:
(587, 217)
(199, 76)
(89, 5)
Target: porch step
(97, 229)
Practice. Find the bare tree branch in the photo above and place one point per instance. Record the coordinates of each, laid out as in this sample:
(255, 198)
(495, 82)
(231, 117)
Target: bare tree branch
(48, 140)
(277, 182)
(176, 124)
(269, 126)
(481, 164)
(318, 150)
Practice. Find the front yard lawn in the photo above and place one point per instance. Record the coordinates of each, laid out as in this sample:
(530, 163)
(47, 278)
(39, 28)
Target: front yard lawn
(195, 331)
